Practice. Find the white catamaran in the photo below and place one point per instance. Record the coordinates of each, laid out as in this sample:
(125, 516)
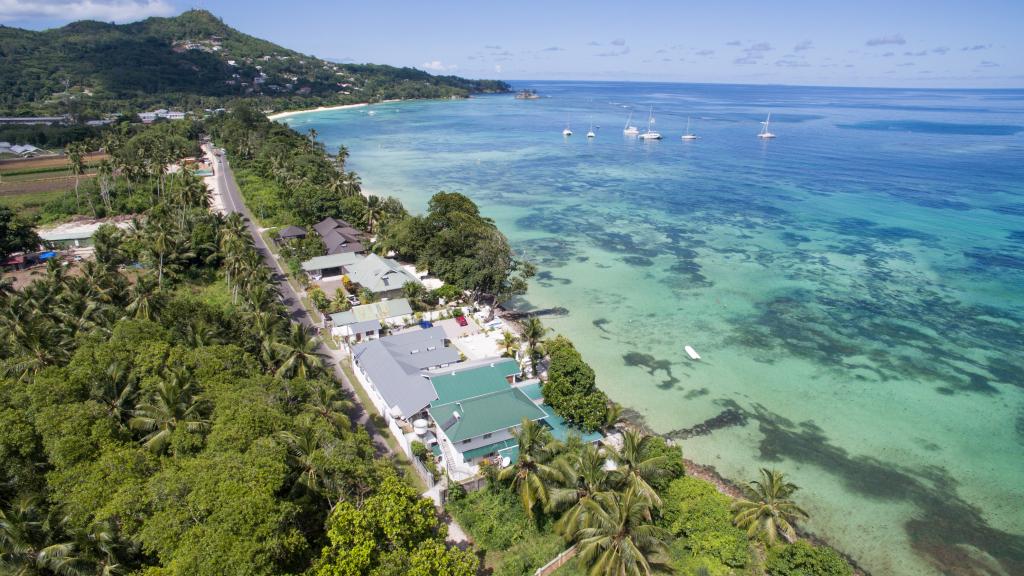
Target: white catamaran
(765, 133)
(650, 134)
(629, 129)
(688, 135)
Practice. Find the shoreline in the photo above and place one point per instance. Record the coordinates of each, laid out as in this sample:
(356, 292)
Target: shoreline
(705, 472)
(278, 115)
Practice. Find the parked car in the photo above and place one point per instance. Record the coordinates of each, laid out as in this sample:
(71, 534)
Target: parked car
(353, 300)
(462, 321)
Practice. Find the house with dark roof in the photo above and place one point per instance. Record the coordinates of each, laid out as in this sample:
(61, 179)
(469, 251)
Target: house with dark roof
(291, 233)
(339, 236)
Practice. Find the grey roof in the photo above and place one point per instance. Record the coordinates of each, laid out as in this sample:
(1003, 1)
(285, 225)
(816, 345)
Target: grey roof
(336, 243)
(379, 274)
(357, 327)
(292, 232)
(394, 365)
(331, 261)
(350, 233)
(325, 225)
(382, 311)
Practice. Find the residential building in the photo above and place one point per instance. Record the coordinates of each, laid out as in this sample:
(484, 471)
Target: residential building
(150, 117)
(392, 368)
(382, 276)
(29, 120)
(480, 403)
(331, 266)
(339, 236)
(291, 233)
(367, 321)
(480, 427)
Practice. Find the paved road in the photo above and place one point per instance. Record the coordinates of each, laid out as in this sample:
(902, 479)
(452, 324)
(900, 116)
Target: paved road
(296, 311)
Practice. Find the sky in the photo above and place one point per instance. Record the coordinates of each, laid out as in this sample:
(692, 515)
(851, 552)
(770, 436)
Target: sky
(919, 43)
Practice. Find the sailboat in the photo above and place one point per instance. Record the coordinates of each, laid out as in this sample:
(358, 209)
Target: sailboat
(765, 133)
(650, 134)
(629, 129)
(567, 131)
(590, 133)
(688, 135)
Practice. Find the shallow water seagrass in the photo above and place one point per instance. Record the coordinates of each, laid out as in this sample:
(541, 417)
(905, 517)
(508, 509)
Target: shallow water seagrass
(855, 287)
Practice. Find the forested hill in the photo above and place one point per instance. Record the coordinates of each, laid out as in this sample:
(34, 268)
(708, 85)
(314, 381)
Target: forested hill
(190, 61)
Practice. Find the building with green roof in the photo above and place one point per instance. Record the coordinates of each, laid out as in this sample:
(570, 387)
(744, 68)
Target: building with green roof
(481, 425)
(459, 382)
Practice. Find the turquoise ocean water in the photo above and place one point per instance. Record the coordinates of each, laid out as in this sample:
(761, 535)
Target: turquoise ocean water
(855, 286)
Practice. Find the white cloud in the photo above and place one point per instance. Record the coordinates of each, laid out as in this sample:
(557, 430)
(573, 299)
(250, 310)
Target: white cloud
(613, 53)
(619, 42)
(805, 45)
(438, 66)
(887, 39)
(497, 68)
(69, 10)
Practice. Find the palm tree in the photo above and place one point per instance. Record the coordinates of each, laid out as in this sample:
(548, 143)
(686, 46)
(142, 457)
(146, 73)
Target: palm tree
(636, 467)
(303, 450)
(373, 206)
(327, 404)
(142, 298)
(299, 357)
(533, 332)
(766, 508)
(583, 476)
(118, 392)
(341, 157)
(27, 540)
(76, 164)
(265, 327)
(509, 341)
(619, 538)
(171, 406)
(414, 293)
(531, 473)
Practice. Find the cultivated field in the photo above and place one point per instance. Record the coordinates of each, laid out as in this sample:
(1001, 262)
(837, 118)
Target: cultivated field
(27, 184)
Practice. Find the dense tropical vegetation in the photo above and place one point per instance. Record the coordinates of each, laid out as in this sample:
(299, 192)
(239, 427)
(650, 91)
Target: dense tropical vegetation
(460, 246)
(571, 387)
(160, 414)
(193, 62)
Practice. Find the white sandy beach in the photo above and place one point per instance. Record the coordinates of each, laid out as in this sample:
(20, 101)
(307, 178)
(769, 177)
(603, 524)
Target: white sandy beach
(280, 115)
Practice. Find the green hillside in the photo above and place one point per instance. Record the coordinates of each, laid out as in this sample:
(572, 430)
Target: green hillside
(193, 61)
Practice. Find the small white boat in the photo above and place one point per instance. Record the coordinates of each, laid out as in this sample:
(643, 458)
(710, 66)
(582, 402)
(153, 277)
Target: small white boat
(591, 133)
(629, 129)
(372, 113)
(568, 130)
(688, 135)
(765, 133)
(650, 134)
(691, 352)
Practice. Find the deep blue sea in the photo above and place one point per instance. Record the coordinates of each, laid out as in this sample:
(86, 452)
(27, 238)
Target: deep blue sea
(855, 287)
